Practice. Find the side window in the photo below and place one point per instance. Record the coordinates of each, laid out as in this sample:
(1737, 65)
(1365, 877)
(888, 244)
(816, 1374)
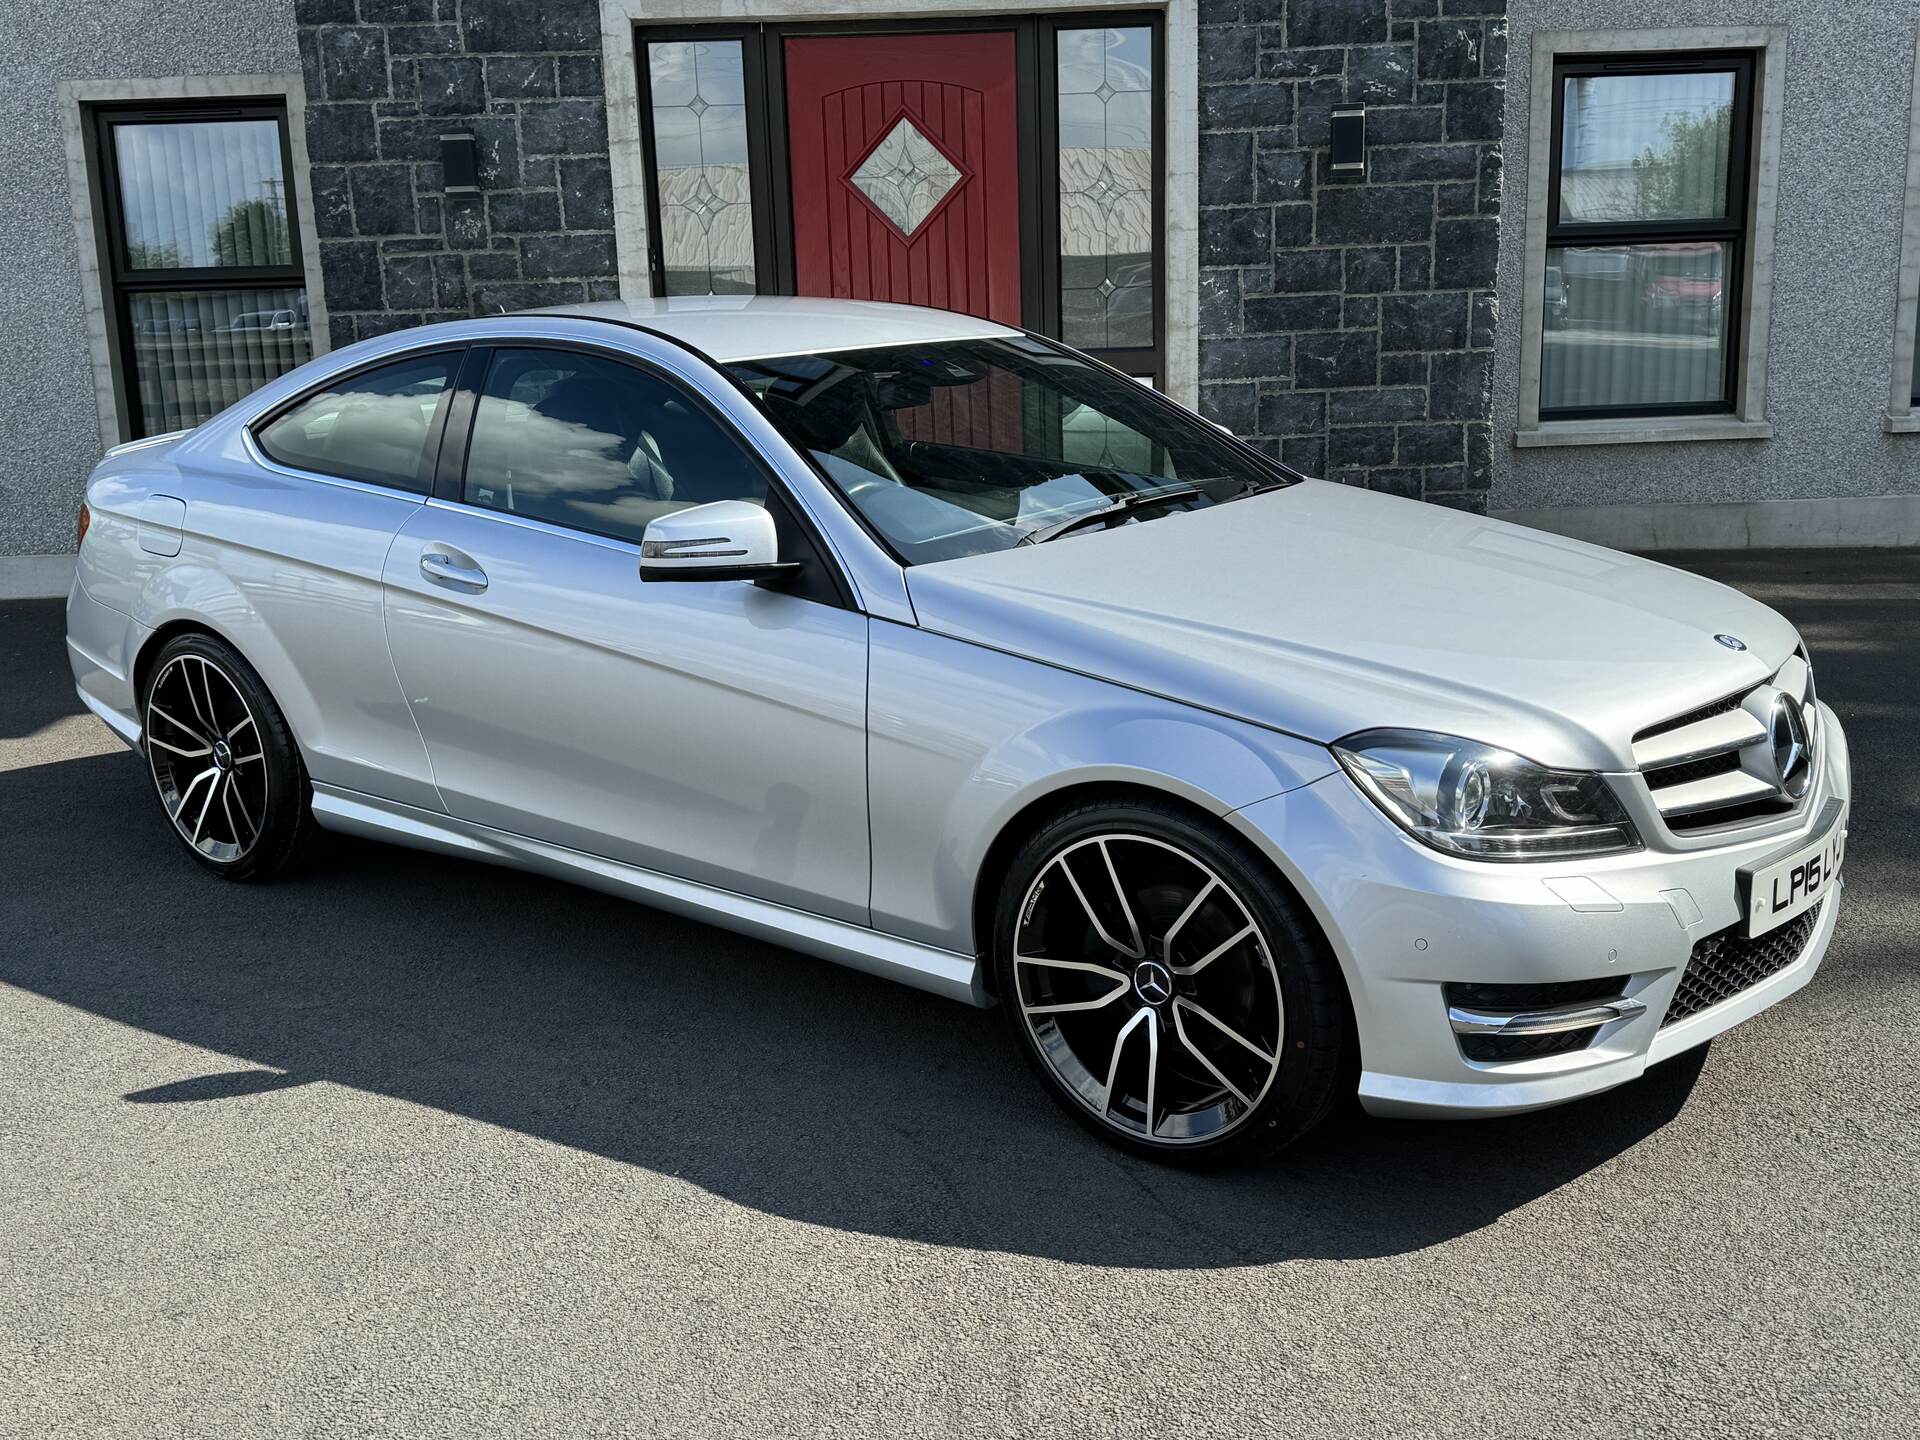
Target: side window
(372, 426)
(597, 445)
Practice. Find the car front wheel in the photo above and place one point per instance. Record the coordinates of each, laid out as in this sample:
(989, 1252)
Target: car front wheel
(1172, 993)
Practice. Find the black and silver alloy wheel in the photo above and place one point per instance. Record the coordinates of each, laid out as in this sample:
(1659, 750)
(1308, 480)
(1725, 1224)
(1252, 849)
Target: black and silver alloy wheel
(1170, 991)
(224, 764)
(203, 744)
(1149, 988)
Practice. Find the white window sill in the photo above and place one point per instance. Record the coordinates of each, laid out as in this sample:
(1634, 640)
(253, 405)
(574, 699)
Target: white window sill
(1644, 431)
(1907, 423)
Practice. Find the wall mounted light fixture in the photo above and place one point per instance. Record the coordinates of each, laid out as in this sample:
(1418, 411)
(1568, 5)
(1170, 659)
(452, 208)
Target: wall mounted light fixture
(459, 165)
(1350, 140)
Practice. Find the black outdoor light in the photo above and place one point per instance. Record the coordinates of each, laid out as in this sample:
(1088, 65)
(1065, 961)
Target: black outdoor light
(459, 165)
(1350, 140)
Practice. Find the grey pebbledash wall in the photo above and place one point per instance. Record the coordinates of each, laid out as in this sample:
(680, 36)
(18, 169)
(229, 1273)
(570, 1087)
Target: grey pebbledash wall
(1842, 184)
(386, 78)
(49, 417)
(1348, 324)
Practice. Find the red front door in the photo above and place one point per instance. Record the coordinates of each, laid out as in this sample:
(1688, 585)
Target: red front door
(905, 169)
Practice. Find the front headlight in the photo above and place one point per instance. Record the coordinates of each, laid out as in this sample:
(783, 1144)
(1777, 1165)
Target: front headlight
(1470, 799)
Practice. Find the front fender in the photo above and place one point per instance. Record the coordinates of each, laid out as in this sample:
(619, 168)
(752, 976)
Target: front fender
(964, 741)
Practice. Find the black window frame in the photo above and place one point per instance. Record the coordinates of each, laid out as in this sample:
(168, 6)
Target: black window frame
(1734, 230)
(120, 280)
(1036, 66)
(430, 456)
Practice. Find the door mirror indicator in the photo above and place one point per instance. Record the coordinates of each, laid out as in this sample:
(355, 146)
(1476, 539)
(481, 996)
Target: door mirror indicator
(726, 540)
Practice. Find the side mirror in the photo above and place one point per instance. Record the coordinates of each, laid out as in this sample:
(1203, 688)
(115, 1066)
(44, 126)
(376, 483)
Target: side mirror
(726, 540)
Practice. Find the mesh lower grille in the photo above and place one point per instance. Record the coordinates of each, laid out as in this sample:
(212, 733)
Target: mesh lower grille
(1690, 770)
(1725, 964)
(1486, 1048)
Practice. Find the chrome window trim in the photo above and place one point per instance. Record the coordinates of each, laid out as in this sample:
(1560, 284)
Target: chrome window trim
(261, 418)
(367, 487)
(528, 522)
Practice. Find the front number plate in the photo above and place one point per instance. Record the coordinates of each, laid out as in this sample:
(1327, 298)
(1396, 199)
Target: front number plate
(1790, 887)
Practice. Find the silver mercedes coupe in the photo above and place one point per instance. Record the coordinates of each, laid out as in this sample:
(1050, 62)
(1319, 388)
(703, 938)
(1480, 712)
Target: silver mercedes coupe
(931, 647)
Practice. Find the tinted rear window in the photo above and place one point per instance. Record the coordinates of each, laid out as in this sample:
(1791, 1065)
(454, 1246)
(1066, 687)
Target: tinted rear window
(372, 426)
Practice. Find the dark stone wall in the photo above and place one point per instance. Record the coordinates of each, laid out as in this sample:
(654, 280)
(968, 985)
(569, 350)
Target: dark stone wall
(386, 78)
(1347, 324)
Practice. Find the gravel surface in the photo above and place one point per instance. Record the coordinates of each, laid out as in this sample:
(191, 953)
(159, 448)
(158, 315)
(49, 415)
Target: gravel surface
(410, 1147)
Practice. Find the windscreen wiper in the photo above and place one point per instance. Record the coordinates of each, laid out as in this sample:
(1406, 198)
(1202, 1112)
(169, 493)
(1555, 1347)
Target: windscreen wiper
(1120, 506)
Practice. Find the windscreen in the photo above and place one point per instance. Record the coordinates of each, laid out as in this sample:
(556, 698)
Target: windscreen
(965, 446)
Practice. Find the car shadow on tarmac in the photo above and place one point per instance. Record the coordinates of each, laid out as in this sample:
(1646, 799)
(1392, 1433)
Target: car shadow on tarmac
(779, 1082)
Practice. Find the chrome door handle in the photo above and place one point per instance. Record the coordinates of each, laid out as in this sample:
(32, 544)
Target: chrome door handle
(445, 570)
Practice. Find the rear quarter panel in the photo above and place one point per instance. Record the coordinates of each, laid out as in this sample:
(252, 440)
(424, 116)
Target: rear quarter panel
(287, 568)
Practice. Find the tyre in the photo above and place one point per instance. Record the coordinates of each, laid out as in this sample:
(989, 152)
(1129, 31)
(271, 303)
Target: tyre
(223, 761)
(1173, 995)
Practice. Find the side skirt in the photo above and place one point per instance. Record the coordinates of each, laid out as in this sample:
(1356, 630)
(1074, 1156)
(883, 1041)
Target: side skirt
(939, 972)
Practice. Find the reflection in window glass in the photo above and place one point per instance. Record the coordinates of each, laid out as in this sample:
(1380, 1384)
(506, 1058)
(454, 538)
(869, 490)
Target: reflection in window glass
(1106, 187)
(1645, 147)
(372, 426)
(195, 352)
(201, 194)
(700, 153)
(596, 445)
(1634, 326)
(967, 446)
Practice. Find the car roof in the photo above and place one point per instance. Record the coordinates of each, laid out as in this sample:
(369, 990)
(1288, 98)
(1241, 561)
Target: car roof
(732, 328)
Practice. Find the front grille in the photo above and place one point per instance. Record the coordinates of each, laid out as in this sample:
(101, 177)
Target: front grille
(1693, 717)
(1499, 998)
(1714, 766)
(1688, 771)
(1724, 964)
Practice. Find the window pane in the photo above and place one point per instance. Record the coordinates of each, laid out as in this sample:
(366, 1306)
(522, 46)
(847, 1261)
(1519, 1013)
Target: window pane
(1106, 187)
(597, 445)
(195, 352)
(1634, 325)
(1645, 147)
(202, 193)
(700, 154)
(372, 426)
(966, 446)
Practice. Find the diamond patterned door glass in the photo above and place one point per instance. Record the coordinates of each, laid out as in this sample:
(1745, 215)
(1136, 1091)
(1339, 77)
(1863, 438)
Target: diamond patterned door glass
(700, 153)
(1106, 187)
(905, 176)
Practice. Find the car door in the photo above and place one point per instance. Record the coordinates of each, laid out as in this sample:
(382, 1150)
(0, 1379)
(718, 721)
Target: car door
(713, 730)
(303, 530)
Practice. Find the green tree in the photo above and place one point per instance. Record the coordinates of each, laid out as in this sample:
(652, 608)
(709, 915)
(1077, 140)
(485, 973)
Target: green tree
(143, 256)
(1686, 176)
(252, 232)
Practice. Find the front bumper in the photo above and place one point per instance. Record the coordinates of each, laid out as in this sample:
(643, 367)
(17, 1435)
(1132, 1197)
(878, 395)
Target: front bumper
(1404, 920)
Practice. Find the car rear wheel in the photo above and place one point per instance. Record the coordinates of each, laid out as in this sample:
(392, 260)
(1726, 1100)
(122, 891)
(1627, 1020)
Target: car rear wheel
(1171, 992)
(224, 764)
